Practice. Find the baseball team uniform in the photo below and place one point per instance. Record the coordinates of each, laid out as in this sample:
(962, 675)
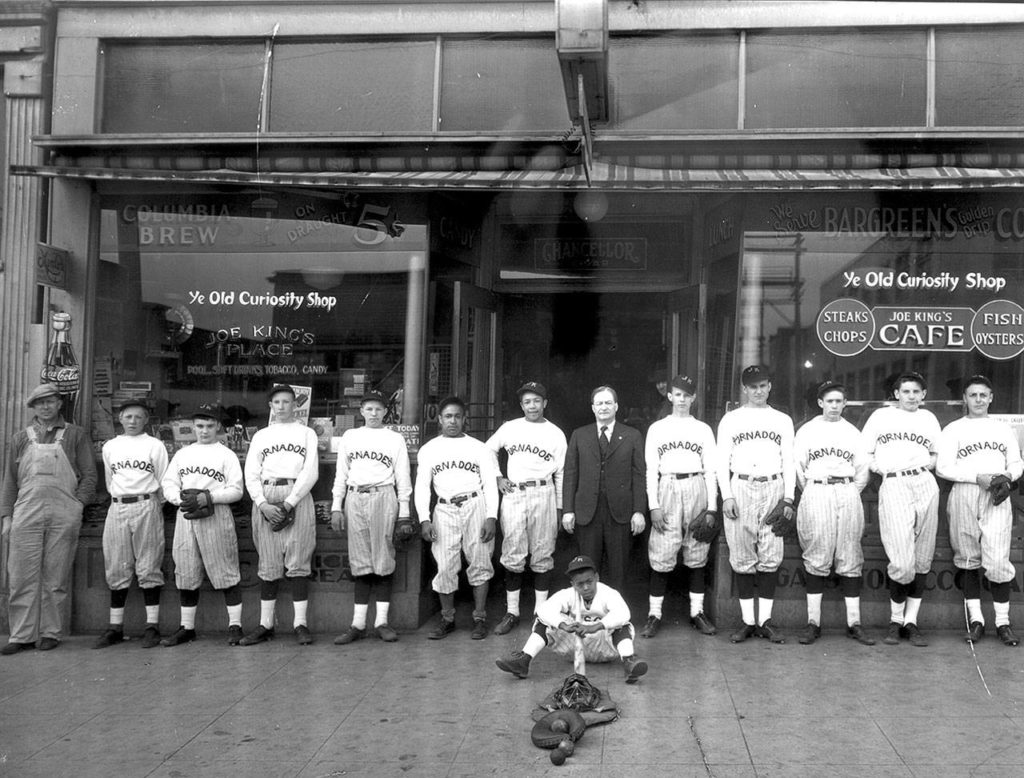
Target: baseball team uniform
(373, 485)
(902, 445)
(529, 513)
(133, 532)
(282, 466)
(681, 482)
(755, 468)
(461, 472)
(832, 470)
(980, 531)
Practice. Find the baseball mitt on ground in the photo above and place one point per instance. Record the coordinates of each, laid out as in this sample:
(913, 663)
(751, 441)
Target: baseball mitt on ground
(705, 527)
(196, 504)
(572, 725)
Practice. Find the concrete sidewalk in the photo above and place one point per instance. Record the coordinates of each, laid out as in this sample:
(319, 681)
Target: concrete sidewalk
(425, 708)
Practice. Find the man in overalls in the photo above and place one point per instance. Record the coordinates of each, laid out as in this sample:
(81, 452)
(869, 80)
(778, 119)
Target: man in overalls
(50, 476)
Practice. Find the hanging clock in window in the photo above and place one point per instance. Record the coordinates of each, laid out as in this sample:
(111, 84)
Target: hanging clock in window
(179, 324)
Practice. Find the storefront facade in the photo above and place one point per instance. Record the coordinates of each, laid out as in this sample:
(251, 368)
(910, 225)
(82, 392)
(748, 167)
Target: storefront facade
(407, 198)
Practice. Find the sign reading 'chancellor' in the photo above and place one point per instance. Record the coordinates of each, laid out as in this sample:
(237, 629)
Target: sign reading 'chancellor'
(847, 327)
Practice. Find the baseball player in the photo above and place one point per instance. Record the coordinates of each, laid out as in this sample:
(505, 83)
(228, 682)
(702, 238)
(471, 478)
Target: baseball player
(755, 474)
(589, 610)
(133, 532)
(49, 478)
(973, 451)
(832, 470)
(372, 487)
(681, 485)
(280, 470)
(204, 529)
(532, 498)
(460, 470)
(902, 441)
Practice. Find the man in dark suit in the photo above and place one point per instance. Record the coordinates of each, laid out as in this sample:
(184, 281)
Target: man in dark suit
(603, 488)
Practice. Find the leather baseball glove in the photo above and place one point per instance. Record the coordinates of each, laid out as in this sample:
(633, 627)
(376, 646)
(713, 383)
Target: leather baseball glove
(544, 735)
(776, 519)
(196, 504)
(1000, 489)
(704, 528)
(404, 531)
(287, 519)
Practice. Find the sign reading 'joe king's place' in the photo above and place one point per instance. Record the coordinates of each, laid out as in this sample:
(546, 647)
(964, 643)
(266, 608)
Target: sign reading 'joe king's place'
(846, 327)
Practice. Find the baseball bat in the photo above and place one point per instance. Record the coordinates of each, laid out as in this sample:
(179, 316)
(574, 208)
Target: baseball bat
(579, 662)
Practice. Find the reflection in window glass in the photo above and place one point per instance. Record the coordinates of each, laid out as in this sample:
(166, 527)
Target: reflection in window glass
(674, 83)
(378, 86)
(979, 77)
(182, 88)
(905, 303)
(510, 85)
(214, 302)
(848, 79)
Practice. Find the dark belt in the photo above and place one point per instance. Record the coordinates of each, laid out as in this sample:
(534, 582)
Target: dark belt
(130, 498)
(833, 479)
(458, 499)
(745, 477)
(681, 476)
(369, 489)
(913, 471)
(528, 484)
(278, 481)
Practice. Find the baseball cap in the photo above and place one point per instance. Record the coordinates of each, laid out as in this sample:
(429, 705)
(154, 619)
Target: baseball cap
(206, 411)
(755, 374)
(41, 391)
(280, 388)
(911, 376)
(977, 379)
(827, 386)
(533, 386)
(376, 397)
(134, 404)
(580, 563)
(683, 382)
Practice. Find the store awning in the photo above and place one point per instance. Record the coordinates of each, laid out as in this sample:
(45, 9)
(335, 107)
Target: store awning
(603, 176)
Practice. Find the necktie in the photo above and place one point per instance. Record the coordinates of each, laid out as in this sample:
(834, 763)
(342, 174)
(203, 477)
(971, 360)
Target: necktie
(602, 440)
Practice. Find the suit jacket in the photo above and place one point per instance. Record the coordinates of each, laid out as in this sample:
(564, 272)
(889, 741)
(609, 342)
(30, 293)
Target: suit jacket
(624, 474)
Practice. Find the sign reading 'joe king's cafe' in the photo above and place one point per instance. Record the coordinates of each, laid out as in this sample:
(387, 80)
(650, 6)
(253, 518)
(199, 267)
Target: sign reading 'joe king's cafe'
(846, 327)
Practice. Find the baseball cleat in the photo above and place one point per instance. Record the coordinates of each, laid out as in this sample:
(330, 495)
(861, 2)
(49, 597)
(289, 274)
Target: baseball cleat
(892, 636)
(651, 627)
(48, 644)
(109, 638)
(508, 623)
(745, 632)
(385, 633)
(443, 630)
(634, 668)
(181, 636)
(975, 631)
(480, 629)
(856, 632)
(302, 635)
(259, 635)
(234, 635)
(14, 648)
(151, 637)
(914, 636)
(769, 631)
(517, 663)
(1006, 635)
(704, 624)
(811, 633)
(350, 635)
